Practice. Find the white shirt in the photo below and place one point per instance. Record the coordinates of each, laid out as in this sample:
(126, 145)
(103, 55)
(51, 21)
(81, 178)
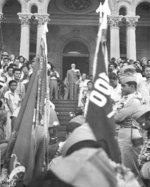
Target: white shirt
(55, 76)
(15, 100)
(144, 89)
(116, 93)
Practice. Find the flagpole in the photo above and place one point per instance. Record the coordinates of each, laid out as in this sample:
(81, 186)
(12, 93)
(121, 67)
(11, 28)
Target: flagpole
(45, 104)
(103, 13)
(99, 106)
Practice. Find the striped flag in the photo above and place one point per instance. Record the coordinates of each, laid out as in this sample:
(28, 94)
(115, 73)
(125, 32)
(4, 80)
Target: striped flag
(99, 106)
(19, 150)
(21, 154)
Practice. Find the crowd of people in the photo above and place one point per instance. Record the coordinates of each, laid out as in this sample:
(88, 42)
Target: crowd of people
(130, 94)
(130, 97)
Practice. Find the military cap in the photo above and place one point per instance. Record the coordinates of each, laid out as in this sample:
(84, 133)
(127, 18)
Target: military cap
(81, 133)
(125, 68)
(128, 67)
(124, 79)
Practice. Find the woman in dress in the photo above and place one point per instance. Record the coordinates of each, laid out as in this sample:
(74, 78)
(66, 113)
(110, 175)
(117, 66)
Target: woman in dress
(82, 88)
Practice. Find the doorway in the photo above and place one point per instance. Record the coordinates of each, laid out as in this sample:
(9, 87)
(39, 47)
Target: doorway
(75, 52)
(82, 63)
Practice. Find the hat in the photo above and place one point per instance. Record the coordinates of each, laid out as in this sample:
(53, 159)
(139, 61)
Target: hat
(86, 167)
(124, 79)
(125, 68)
(75, 122)
(128, 67)
(81, 133)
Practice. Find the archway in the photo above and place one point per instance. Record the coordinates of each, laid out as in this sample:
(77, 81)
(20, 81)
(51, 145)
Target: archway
(75, 52)
(143, 30)
(11, 27)
(122, 31)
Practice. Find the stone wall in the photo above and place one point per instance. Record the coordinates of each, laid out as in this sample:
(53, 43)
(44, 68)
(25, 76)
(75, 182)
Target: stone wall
(59, 36)
(11, 37)
(66, 25)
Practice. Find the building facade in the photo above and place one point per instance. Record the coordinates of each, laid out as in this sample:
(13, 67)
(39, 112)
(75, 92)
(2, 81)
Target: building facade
(72, 30)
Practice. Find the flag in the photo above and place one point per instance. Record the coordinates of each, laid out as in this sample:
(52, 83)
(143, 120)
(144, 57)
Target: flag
(99, 106)
(24, 147)
(19, 148)
(45, 90)
(45, 81)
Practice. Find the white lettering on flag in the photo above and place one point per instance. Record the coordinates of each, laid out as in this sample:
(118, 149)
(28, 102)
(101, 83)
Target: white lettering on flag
(102, 89)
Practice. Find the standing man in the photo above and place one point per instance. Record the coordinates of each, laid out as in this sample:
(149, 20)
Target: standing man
(144, 86)
(129, 129)
(72, 77)
(115, 87)
(9, 73)
(20, 86)
(54, 76)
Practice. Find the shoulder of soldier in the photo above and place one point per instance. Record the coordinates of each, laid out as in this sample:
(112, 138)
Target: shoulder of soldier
(134, 102)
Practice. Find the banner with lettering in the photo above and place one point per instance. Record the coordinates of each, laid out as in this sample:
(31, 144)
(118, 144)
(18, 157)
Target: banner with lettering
(99, 107)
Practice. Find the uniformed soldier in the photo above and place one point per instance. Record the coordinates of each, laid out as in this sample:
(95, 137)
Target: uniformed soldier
(131, 99)
(125, 117)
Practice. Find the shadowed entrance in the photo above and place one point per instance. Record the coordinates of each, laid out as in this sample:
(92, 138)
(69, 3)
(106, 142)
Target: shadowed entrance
(75, 52)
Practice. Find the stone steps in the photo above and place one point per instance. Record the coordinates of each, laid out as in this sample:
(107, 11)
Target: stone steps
(63, 108)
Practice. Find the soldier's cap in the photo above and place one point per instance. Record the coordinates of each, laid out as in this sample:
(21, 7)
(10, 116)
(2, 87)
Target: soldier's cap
(81, 133)
(125, 68)
(125, 79)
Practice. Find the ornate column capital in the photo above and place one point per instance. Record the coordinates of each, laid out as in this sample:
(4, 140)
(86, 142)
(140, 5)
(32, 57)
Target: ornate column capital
(41, 18)
(131, 21)
(114, 21)
(25, 18)
(1, 17)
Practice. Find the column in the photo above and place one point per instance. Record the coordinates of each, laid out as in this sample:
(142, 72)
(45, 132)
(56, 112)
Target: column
(25, 34)
(131, 36)
(114, 22)
(41, 19)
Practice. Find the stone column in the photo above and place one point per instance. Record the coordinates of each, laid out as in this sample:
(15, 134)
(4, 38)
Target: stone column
(114, 22)
(131, 36)
(41, 19)
(25, 34)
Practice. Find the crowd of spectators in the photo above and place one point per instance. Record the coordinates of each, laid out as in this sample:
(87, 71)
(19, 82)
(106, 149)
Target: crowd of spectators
(130, 95)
